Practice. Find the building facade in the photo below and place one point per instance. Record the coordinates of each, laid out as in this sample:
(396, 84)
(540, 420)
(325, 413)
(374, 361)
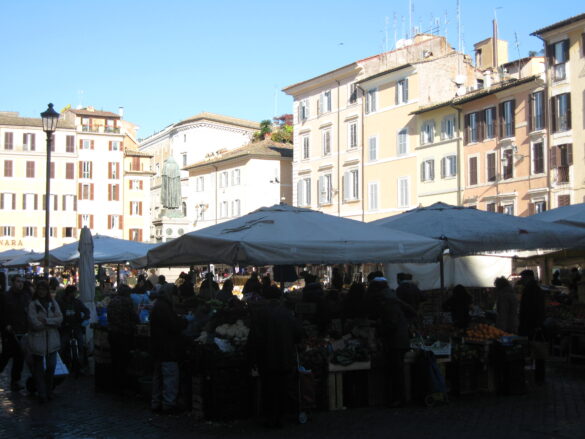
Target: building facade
(240, 181)
(565, 79)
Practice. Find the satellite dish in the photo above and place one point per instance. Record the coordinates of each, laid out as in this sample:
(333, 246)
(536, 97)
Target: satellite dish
(460, 91)
(459, 79)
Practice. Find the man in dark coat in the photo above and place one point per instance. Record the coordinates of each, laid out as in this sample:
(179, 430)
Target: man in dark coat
(531, 318)
(75, 318)
(272, 341)
(391, 316)
(166, 349)
(14, 327)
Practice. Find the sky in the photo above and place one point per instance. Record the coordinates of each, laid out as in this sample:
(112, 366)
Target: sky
(164, 61)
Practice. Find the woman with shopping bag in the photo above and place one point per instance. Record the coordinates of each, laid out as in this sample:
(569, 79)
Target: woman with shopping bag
(44, 340)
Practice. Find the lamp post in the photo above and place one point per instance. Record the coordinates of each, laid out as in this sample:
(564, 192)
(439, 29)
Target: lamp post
(50, 118)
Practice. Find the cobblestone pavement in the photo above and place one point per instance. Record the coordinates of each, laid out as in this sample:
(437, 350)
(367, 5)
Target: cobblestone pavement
(555, 410)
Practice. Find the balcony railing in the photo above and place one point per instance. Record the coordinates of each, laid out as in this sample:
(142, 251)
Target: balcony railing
(112, 130)
(563, 174)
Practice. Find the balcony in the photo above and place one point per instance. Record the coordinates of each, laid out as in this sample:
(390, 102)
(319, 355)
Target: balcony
(115, 130)
(563, 174)
(89, 129)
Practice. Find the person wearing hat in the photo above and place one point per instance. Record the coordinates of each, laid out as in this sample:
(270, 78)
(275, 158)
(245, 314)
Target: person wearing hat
(408, 292)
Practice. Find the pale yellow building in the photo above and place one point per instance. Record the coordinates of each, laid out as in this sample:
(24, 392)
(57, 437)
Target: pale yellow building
(565, 74)
(355, 139)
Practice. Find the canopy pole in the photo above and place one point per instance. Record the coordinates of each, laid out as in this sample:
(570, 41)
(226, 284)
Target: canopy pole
(210, 283)
(118, 276)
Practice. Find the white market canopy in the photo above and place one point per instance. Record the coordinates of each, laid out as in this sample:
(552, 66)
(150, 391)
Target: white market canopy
(468, 231)
(282, 234)
(24, 259)
(573, 215)
(13, 253)
(107, 250)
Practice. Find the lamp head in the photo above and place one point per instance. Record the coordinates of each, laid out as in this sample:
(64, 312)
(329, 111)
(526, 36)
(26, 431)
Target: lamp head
(50, 118)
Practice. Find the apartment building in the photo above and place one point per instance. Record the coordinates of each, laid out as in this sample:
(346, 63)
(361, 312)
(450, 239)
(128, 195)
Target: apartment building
(23, 184)
(190, 141)
(136, 196)
(354, 135)
(565, 79)
(236, 182)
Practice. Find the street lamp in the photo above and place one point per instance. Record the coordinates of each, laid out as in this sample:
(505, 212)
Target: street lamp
(50, 118)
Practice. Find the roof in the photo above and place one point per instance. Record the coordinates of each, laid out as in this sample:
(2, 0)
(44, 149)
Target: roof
(220, 118)
(354, 64)
(94, 113)
(559, 24)
(264, 148)
(32, 122)
(136, 153)
(476, 94)
(385, 72)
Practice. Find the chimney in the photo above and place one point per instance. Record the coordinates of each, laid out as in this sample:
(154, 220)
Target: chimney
(487, 78)
(121, 112)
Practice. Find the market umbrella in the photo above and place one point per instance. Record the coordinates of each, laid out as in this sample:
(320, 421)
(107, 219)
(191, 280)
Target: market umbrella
(573, 215)
(282, 234)
(468, 231)
(25, 259)
(8, 255)
(87, 279)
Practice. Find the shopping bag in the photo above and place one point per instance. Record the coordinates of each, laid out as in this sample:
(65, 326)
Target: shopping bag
(60, 367)
(539, 346)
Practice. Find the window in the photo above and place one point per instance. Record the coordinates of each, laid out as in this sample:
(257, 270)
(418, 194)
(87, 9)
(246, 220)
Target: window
(236, 208)
(7, 168)
(563, 200)
(29, 232)
(561, 158)
(306, 148)
(86, 169)
(85, 144)
(402, 91)
(325, 189)
(30, 202)
(86, 124)
(490, 207)
(52, 232)
(507, 164)
(491, 166)
(472, 171)
(449, 166)
(507, 118)
(8, 140)
(583, 44)
(373, 196)
(561, 112)
(135, 165)
(304, 192)
(402, 143)
(508, 209)
(403, 192)
(7, 201)
(235, 177)
(113, 192)
(184, 158)
(30, 169)
(471, 128)
(136, 184)
(69, 202)
(28, 142)
(448, 127)
(70, 144)
(352, 135)
(427, 170)
(326, 135)
(7, 231)
(558, 55)
(86, 191)
(200, 184)
(223, 179)
(115, 145)
(372, 149)
(69, 171)
(113, 170)
(113, 221)
(351, 185)
(325, 102)
(223, 209)
(536, 111)
(371, 96)
(490, 122)
(135, 207)
(536, 207)
(427, 132)
(352, 92)
(304, 110)
(68, 232)
(538, 158)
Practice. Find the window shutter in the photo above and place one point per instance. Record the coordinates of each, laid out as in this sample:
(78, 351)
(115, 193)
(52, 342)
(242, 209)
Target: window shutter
(513, 116)
(569, 154)
(550, 54)
(110, 170)
(345, 186)
(79, 222)
(141, 185)
(481, 131)
(13, 201)
(566, 50)
(1, 201)
(422, 171)
(91, 191)
(74, 202)
(110, 145)
(500, 209)
(80, 143)
(36, 202)
(118, 170)
(320, 107)
(55, 202)
(91, 221)
(109, 221)
(466, 129)
(443, 167)
(529, 103)
(553, 157)
(564, 200)
(109, 192)
(553, 113)
(432, 169)
(92, 146)
(300, 193)
(473, 171)
(121, 222)
(531, 209)
(501, 120)
(90, 169)
(140, 208)
(320, 185)
(396, 94)
(44, 202)
(405, 95)
(569, 111)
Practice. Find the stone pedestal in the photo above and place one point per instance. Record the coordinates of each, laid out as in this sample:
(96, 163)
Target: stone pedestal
(171, 227)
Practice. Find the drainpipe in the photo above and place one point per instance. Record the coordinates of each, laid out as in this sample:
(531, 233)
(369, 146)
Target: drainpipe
(459, 156)
(338, 153)
(363, 155)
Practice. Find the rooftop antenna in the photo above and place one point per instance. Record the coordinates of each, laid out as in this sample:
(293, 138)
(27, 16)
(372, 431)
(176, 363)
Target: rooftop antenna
(459, 44)
(517, 44)
(386, 22)
(446, 22)
(80, 98)
(410, 15)
(395, 29)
